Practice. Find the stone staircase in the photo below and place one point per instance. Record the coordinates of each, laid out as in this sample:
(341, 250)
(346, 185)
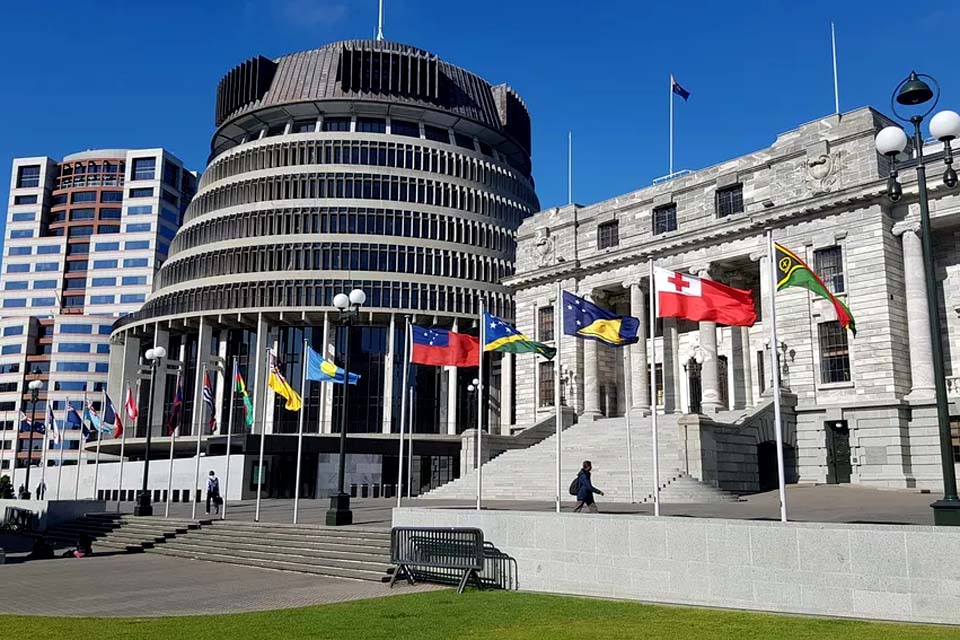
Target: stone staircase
(342, 552)
(529, 474)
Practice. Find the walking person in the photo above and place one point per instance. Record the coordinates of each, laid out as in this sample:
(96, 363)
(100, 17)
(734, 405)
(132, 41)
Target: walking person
(585, 489)
(41, 490)
(213, 492)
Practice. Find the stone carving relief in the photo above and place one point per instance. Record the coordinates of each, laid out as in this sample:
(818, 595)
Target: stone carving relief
(544, 249)
(822, 172)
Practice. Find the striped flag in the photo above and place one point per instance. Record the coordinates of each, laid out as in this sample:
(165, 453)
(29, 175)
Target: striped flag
(208, 399)
(131, 406)
(111, 418)
(53, 426)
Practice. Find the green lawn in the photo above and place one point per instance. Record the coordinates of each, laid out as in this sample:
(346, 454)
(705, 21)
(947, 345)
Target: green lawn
(500, 615)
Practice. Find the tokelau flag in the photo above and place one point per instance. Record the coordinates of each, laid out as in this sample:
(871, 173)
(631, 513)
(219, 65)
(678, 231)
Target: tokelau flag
(794, 272)
(501, 336)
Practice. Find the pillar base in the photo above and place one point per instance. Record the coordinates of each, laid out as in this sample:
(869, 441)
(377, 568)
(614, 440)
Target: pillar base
(946, 513)
(642, 411)
(922, 396)
(339, 513)
(710, 408)
(143, 506)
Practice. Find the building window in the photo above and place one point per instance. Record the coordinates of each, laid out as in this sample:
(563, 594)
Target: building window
(28, 177)
(83, 196)
(111, 196)
(462, 140)
(404, 128)
(545, 324)
(21, 233)
(137, 244)
(140, 210)
(130, 298)
(304, 126)
(136, 228)
(73, 367)
(729, 200)
(82, 214)
(144, 168)
(371, 125)
(135, 262)
(436, 134)
(828, 264)
(608, 234)
(74, 347)
(76, 328)
(23, 217)
(18, 268)
(24, 199)
(761, 371)
(48, 248)
(134, 280)
(143, 192)
(171, 174)
(546, 383)
(336, 124)
(664, 219)
(955, 436)
(834, 353)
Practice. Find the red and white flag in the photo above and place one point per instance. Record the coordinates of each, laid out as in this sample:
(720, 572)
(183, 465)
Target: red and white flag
(130, 406)
(685, 296)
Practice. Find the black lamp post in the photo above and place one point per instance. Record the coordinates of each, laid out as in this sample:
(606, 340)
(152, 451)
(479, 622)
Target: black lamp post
(143, 506)
(914, 91)
(339, 513)
(34, 386)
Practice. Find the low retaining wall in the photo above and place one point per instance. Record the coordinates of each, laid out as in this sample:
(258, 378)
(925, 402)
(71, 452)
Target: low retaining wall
(909, 573)
(52, 512)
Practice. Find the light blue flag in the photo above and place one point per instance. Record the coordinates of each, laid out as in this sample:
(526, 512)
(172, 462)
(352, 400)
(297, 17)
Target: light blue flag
(322, 370)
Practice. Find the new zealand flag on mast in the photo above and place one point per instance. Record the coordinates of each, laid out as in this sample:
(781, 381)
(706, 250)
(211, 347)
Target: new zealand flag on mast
(677, 89)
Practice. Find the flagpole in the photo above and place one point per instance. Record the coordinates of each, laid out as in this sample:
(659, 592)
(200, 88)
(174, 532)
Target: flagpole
(836, 86)
(60, 458)
(480, 391)
(226, 477)
(80, 449)
(123, 434)
(670, 94)
(775, 361)
(196, 468)
(96, 462)
(410, 444)
(43, 454)
(403, 404)
(303, 410)
(569, 167)
(16, 433)
(558, 387)
(263, 434)
(653, 389)
(173, 440)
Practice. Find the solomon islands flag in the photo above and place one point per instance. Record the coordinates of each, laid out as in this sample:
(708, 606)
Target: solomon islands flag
(584, 319)
(501, 336)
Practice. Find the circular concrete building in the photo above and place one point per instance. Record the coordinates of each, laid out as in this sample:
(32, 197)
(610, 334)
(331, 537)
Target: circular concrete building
(363, 164)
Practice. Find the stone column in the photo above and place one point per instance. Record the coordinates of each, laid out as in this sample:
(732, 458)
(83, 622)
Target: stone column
(387, 423)
(161, 338)
(671, 366)
(709, 370)
(766, 312)
(257, 379)
(452, 394)
(198, 419)
(742, 371)
(918, 316)
(639, 381)
(506, 391)
(591, 374)
(221, 381)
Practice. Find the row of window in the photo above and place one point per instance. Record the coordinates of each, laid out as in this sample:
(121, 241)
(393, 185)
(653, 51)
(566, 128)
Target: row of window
(83, 197)
(78, 265)
(370, 153)
(74, 248)
(90, 173)
(347, 220)
(413, 296)
(336, 256)
(360, 186)
(41, 250)
(83, 214)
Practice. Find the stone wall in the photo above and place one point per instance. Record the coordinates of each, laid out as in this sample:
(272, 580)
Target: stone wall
(907, 573)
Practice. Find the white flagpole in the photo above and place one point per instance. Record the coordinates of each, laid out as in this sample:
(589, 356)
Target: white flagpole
(263, 431)
(410, 444)
(379, 31)
(80, 449)
(569, 167)
(226, 477)
(60, 457)
(16, 433)
(173, 440)
(775, 361)
(670, 93)
(836, 86)
(43, 454)
(626, 415)
(303, 410)
(480, 409)
(323, 387)
(96, 462)
(196, 468)
(403, 404)
(123, 436)
(557, 387)
(653, 389)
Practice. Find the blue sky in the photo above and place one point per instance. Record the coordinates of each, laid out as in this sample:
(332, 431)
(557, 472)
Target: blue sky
(109, 73)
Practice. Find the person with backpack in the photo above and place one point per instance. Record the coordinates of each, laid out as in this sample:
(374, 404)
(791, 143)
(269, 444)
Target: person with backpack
(213, 492)
(585, 489)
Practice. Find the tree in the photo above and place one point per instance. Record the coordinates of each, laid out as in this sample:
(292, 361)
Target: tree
(6, 488)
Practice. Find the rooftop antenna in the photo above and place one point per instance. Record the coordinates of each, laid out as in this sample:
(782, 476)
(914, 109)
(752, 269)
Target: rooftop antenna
(380, 23)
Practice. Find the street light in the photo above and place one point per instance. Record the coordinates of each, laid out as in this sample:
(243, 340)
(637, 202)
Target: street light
(339, 513)
(143, 506)
(914, 91)
(34, 386)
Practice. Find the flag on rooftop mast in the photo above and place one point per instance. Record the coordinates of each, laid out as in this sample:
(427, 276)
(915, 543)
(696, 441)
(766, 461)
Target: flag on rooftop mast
(675, 89)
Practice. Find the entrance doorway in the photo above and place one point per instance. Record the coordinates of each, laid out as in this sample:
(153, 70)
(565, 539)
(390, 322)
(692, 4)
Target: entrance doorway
(838, 452)
(696, 390)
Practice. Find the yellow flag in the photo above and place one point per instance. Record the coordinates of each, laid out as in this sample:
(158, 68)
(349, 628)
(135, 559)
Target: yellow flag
(283, 389)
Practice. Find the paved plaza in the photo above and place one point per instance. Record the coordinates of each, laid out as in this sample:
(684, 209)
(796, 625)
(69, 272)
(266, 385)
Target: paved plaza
(805, 503)
(150, 585)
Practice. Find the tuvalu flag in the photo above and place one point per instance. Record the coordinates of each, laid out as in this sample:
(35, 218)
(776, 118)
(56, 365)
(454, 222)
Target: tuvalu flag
(501, 336)
(684, 296)
(794, 272)
(583, 319)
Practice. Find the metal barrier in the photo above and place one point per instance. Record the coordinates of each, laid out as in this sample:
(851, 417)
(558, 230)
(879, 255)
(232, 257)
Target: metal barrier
(444, 548)
(19, 520)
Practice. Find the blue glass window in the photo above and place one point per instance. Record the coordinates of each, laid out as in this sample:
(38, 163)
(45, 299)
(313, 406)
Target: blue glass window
(74, 347)
(111, 196)
(10, 348)
(21, 233)
(15, 302)
(18, 268)
(109, 228)
(103, 282)
(83, 196)
(48, 248)
(137, 244)
(76, 328)
(44, 284)
(133, 228)
(142, 192)
(128, 298)
(47, 266)
(144, 168)
(16, 286)
(128, 280)
(140, 210)
(101, 367)
(136, 262)
(13, 331)
(73, 366)
(25, 200)
(167, 232)
(170, 216)
(28, 177)
(104, 264)
(336, 124)
(108, 246)
(372, 125)
(105, 329)
(43, 302)
(110, 214)
(27, 216)
(20, 251)
(103, 348)
(70, 385)
(102, 299)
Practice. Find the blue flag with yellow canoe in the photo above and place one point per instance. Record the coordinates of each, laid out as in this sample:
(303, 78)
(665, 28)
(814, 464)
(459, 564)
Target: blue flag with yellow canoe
(583, 319)
(502, 336)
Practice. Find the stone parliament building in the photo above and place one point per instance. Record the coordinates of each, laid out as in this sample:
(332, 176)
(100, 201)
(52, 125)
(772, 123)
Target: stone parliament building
(857, 409)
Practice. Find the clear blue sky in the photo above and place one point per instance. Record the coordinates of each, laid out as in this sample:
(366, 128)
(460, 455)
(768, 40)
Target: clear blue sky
(112, 73)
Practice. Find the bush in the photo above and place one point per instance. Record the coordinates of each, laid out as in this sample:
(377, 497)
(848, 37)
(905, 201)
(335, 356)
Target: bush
(6, 488)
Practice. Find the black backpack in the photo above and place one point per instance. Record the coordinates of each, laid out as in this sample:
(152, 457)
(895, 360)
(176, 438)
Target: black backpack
(575, 486)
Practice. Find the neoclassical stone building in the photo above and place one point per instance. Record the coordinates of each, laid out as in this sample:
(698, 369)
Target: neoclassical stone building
(864, 408)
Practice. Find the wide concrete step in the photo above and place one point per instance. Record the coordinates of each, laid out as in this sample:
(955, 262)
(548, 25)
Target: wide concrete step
(342, 553)
(274, 528)
(280, 565)
(212, 536)
(306, 556)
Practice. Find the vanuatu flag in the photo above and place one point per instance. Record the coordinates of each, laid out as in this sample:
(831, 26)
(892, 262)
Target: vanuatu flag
(501, 336)
(247, 403)
(794, 272)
